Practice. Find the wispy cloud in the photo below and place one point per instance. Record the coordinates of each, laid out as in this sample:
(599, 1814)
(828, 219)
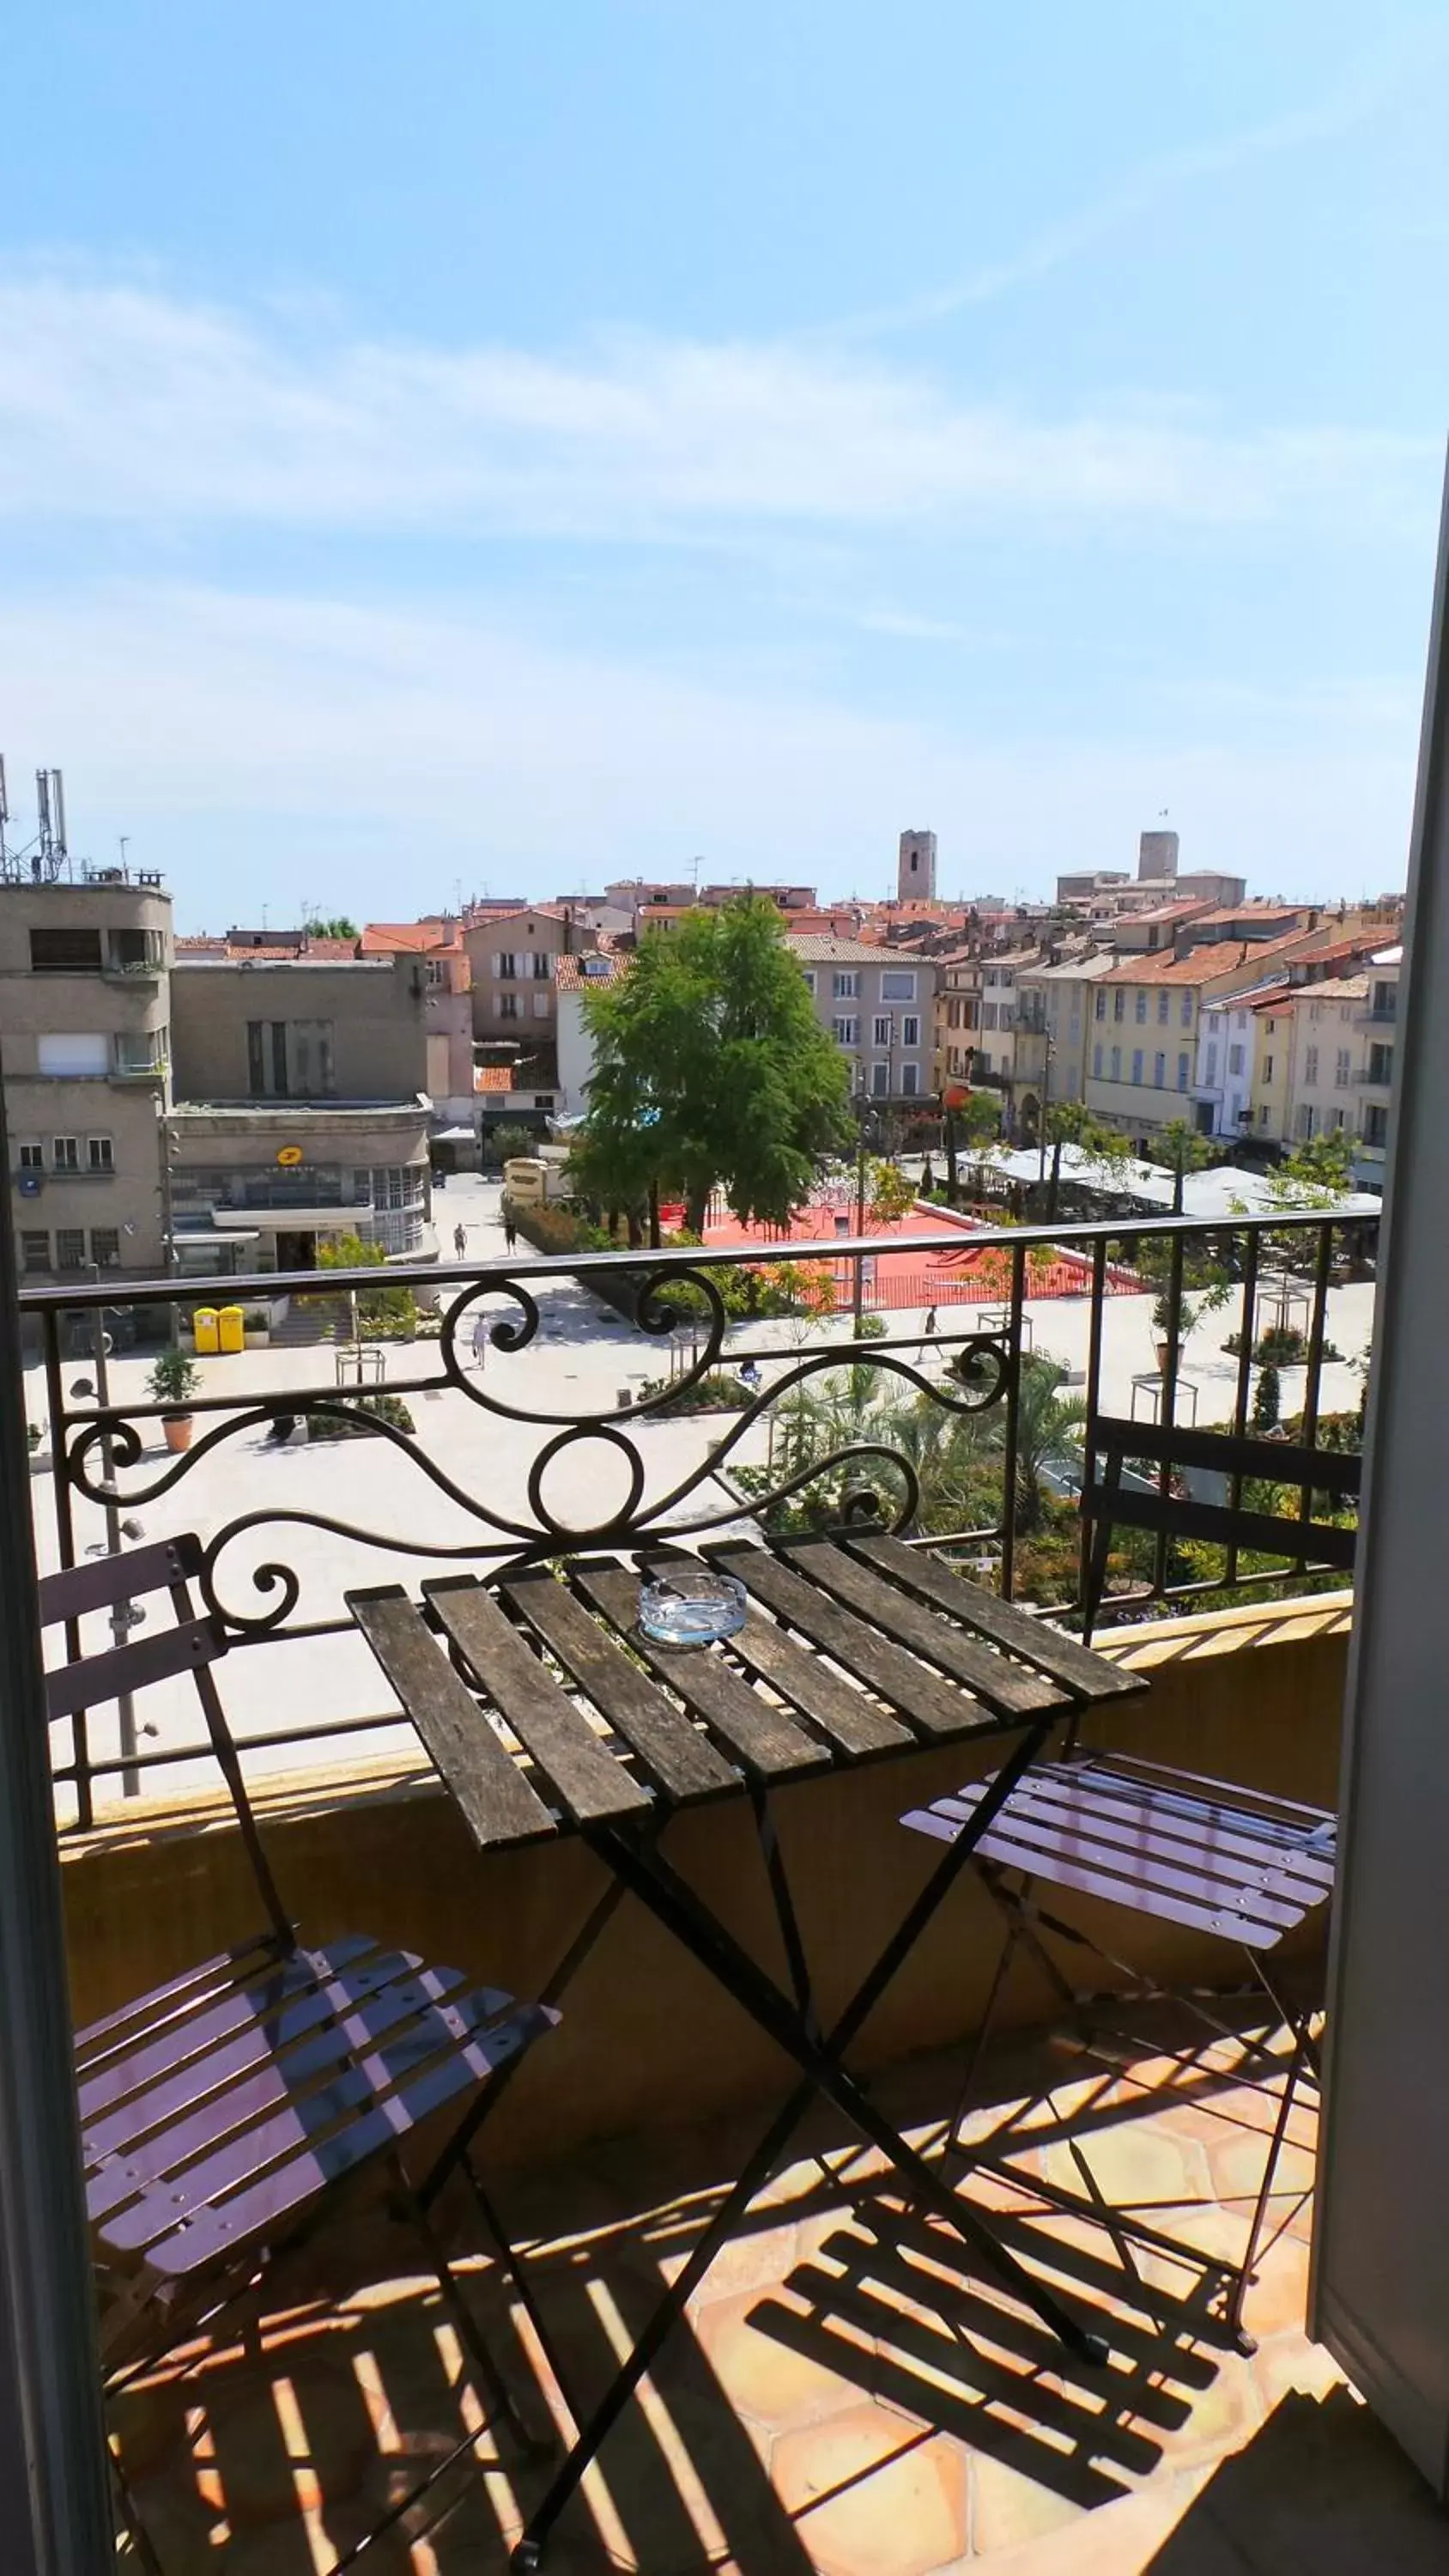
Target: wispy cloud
(1154, 180)
(120, 402)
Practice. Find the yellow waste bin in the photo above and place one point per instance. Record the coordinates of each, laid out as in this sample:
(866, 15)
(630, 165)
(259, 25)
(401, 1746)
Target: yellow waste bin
(232, 1323)
(204, 1326)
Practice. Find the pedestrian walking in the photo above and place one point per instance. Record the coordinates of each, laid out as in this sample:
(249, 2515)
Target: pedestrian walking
(510, 1232)
(480, 1339)
(460, 1241)
(930, 1323)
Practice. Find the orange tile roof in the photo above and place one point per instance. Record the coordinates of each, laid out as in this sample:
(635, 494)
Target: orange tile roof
(387, 938)
(1200, 965)
(579, 974)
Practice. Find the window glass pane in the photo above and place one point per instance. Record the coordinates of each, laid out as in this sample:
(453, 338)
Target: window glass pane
(73, 1053)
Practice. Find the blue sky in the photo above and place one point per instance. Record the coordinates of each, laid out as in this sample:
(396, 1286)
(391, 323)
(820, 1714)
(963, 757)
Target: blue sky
(508, 448)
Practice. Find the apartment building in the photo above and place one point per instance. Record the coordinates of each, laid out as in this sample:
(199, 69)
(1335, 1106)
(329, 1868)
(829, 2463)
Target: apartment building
(512, 956)
(1053, 1026)
(447, 973)
(1146, 1022)
(85, 1051)
(1238, 1047)
(1378, 1025)
(300, 1109)
(957, 1016)
(1328, 1057)
(575, 979)
(878, 1009)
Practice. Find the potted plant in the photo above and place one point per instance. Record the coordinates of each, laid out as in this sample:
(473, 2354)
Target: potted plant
(173, 1378)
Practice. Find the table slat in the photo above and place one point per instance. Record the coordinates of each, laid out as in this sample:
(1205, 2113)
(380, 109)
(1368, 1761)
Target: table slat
(496, 1801)
(765, 1741)
(678, 1758)
(1011, 1690)
(1063, 1659)
(587, 1779)
(936, 1708)
(851, 1723)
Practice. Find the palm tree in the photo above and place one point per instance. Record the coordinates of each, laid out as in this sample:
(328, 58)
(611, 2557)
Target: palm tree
(1044, 1422)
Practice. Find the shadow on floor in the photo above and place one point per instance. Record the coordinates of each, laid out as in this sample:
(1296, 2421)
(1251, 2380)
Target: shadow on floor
(1320, 2490)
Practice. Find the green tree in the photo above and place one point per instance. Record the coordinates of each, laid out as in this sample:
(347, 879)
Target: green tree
(1318, 1170)
(1181, 1148)
(385, 1311)
(1045, 1421)
(1267, 1398)
(1071, 1122)
(711, 1070)
(339, 927)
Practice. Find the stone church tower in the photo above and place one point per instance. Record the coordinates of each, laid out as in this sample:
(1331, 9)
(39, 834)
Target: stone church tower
(916, 872)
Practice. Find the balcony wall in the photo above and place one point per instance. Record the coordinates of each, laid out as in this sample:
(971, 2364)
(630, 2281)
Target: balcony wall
(1250, 1695)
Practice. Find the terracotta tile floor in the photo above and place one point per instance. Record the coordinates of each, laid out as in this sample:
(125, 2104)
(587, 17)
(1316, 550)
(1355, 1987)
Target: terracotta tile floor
(852, 2396)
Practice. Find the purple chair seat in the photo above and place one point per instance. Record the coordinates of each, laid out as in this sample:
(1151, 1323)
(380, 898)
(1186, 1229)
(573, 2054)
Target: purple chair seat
(1155, 1843)
(219, 2105)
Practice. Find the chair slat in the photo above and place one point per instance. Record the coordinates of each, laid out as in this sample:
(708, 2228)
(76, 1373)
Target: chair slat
(93, 1679)
(1206, 1839)
(1167, 1909)
(242, 2100)
(221, 2230)
(103, 1580)
(190, 2036)
(1121, 1871)
(230, 2060)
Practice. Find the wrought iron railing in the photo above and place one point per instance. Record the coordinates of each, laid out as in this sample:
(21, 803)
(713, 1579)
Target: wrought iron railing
(826, 1429)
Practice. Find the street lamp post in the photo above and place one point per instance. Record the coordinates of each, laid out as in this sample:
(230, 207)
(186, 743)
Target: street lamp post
(867, 1133)
(123, 1612)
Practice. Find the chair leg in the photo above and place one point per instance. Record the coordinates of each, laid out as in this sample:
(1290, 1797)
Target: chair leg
(500, 2400)
(527, 2298)
(1245, 2342)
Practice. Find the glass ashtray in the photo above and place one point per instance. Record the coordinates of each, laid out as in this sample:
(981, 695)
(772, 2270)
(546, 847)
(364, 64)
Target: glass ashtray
(692, 1608)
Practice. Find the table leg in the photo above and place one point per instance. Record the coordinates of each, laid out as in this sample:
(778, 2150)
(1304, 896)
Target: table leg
(676, 1906)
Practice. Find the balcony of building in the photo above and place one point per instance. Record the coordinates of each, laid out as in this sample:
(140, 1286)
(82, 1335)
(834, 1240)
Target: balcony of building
(847, 2392)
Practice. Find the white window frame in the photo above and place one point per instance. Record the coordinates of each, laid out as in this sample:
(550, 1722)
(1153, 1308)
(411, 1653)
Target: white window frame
(65, 1154)
(100, 1154)
(845, 984)
(880, 1080)
(897, 984)
(30, 1155)
(845, 1029)
(911, 1029)
(910, 1081)
(882, 1028)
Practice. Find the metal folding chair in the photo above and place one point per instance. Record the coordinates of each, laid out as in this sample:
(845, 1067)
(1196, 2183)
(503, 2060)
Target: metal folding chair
(1169, 1844)
(220, 2111)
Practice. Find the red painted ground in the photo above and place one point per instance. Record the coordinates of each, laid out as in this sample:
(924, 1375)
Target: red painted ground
(900, 1276)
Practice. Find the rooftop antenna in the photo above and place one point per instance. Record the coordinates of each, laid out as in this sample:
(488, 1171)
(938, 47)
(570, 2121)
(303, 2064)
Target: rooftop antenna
(123, 843)
(4, 817)
(48, 855)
